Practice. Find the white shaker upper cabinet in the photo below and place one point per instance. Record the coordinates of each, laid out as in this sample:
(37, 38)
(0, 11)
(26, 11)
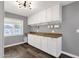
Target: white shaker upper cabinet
(54, 13)
(37, 18)
(30, 20)
(50, 14)
(42, 16)
(57, 13)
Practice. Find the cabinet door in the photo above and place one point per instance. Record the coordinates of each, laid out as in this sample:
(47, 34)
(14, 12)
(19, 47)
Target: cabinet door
(34, 40)
(54, 13)
(31, 40)
(36, 18)
(59, 45)
(52, 46)
(57, 13)
(55, 10)
(37, 41)
(49, 16)
(31, 20)
(42, 16)
(44, 43)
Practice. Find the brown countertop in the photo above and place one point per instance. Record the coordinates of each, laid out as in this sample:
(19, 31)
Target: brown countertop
(47, 34)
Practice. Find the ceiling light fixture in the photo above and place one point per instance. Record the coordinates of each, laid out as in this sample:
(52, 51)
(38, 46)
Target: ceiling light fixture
(25, 4)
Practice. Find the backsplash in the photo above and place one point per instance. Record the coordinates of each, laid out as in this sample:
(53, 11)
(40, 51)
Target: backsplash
(44, 28)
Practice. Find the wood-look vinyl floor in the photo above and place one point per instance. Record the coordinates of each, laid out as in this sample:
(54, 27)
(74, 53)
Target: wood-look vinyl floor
(25, 51)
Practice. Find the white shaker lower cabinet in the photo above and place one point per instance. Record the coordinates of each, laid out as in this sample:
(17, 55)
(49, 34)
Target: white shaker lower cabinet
(59, 46)
(31, 40)
(44, 44)
(49, 45)
(54, 46)
(34, 40)
(37, 41)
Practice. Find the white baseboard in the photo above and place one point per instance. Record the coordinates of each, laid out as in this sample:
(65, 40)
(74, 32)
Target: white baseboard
(74, 56)
(14, 44)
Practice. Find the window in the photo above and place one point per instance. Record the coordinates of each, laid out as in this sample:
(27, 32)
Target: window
(8, 29)
(13, 27)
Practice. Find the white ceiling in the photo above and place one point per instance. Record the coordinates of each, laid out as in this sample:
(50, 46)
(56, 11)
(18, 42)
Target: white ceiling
(12, 7)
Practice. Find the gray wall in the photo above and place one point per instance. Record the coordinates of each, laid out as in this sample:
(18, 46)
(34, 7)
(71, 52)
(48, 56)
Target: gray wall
(26, 27)
(1, 28)
(19, 38)
(70, 23)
